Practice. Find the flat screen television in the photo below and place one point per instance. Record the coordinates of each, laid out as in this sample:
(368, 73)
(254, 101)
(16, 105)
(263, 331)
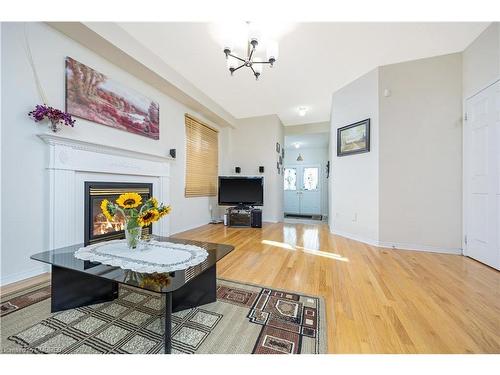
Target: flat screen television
(241, 191)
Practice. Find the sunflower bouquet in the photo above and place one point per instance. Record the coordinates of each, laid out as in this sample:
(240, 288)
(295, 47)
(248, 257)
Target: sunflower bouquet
(136, 214)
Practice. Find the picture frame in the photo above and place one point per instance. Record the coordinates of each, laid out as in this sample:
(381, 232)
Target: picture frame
(137, 114)
(354, 138)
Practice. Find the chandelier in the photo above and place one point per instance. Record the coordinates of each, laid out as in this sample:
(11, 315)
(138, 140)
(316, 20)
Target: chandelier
(235, 62)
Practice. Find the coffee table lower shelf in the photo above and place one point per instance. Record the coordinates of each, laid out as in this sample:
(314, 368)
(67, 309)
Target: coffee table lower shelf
(72, 289)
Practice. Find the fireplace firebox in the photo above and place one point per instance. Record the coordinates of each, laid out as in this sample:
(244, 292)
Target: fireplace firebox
(97, 227)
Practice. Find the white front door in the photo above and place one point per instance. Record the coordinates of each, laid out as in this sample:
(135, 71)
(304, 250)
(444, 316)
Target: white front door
(292, 193)
(302, 184)
(482, 176)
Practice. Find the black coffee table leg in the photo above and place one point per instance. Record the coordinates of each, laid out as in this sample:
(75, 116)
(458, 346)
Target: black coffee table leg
(168, 323)
(71, 289)
(198, 291)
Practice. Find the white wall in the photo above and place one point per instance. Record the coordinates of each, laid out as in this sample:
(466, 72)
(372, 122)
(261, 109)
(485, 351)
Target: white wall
(406, 192)
(252, 144)
(481, 61)
(312, 128)
(354, 179)
(24, 178)
(420, 154)
(312, 156)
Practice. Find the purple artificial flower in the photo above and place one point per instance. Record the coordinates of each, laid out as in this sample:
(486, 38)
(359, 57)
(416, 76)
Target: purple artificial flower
(42, 112)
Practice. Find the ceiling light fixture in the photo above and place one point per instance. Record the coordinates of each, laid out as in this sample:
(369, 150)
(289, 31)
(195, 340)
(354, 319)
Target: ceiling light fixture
(302, 111)
(296, 145)
(250, 61)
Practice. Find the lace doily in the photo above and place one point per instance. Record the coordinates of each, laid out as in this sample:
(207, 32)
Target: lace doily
(154, 257)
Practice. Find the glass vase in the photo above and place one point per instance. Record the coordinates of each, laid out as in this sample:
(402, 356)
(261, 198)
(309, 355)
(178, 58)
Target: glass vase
(133, 236)
(54, 126)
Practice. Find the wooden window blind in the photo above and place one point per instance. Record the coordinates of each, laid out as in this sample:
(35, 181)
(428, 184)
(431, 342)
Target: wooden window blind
(202, 158)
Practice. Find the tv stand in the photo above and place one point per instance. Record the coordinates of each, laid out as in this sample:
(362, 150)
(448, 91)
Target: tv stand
(244, 217)
(241, 207)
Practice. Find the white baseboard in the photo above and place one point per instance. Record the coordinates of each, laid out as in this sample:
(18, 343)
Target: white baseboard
(189, 227)
(355, 237)
(18, 276)
(398, 245)
(419, 247)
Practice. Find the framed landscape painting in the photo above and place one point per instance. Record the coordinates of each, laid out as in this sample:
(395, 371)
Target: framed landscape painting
(93, 96)
(354, 138)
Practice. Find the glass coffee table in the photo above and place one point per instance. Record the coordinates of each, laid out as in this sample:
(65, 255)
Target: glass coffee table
(77, 283)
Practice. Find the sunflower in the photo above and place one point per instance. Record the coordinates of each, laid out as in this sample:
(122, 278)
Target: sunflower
(105, 209)
(155, 281)
(148, 217)
(129, 200)
(165, 210)
(154, 202)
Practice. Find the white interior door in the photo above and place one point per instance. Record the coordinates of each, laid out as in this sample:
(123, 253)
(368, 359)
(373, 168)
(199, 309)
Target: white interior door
(482, 176)
(302, 184)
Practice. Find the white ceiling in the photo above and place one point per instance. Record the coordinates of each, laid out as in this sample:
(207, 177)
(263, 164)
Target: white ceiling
(318, 140)
(315, 60)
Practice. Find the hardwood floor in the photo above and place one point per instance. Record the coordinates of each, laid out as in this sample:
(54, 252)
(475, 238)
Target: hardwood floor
(26, 283)
(377, 300)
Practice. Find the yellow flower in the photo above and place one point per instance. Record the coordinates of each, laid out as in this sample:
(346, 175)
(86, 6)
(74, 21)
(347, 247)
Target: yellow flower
(149, 284)
(154, 202)
(148, 217)
(105, 210)
(155, 281)
(129, 200)
(165, 211)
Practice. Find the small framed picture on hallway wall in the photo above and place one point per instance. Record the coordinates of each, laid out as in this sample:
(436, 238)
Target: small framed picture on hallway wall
(353, 138)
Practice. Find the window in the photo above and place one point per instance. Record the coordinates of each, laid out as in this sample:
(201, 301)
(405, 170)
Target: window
(310, 178)
(201, 158)
(290, 179)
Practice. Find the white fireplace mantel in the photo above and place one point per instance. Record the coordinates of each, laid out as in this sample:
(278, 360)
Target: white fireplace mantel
(67, 153)
(72, 162)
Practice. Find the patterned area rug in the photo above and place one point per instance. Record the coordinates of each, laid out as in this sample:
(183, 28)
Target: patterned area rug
(245, 319)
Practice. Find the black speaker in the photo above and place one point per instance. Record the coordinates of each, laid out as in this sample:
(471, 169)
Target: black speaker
(172, 152)
(261, 169)
(237, 170)
(256, 218)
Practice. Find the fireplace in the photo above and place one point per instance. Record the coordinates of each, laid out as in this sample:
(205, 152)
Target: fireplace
(97, 227)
